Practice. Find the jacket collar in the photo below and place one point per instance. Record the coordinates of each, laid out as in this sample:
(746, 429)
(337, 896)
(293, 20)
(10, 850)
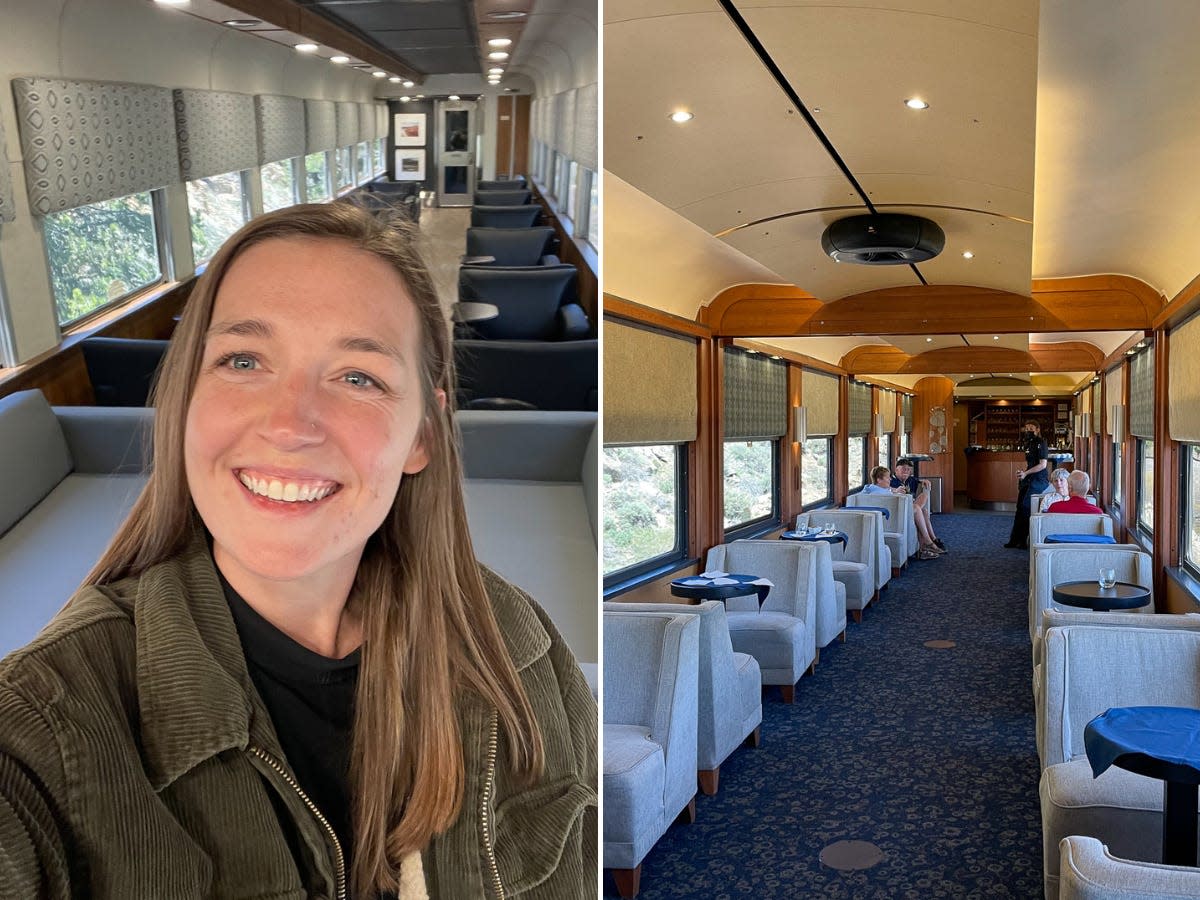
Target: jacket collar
(524, 634)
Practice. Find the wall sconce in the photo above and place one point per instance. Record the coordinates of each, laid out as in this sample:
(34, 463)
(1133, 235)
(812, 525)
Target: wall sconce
(799, 424)
(878, 429)
(1117, 421)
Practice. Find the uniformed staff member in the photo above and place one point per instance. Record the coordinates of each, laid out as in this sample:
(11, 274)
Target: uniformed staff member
(1033, 480)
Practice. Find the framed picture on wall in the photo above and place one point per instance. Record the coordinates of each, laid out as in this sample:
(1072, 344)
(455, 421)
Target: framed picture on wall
(410, 129)
(410, 165)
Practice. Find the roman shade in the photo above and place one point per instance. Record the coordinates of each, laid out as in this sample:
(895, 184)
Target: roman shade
(860, 409)
(216, 131)
(819, 394)
(280, 122)
(649, 386)
(1097, 417)
(6, 194)
(906, 411)
(587, 112)
(564, 132)
(320, 126)
(1083, 402)
(1141, 395)
(887, 409)
(756, 401)
(88, 141)
(366, 122)
(381, 120)
(347, 123)
(1183, 386)
(1114, 395)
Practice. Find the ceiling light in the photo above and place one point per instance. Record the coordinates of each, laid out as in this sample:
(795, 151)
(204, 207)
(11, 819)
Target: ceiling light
(379, 73)
(495, 79)
(967, 254)
(929, 340)
(499, 42)
(453, 97)
(681, 116)
(498, 54)
(307, 48)
(171, 2)
(395, 79)
(410, 84)
(916, 103)
(340, 60)
(509, 14)
(995, 337)
(405, 99)
(242, 23)
(420, 97)
(495, 70)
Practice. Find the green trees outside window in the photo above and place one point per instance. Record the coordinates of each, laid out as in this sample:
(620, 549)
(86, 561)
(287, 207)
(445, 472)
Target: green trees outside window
(278, 185)
(641, 504)
(749, 481)
(218, 208)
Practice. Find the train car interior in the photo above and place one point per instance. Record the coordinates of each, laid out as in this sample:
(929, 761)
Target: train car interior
(843, 236)
(139, 135)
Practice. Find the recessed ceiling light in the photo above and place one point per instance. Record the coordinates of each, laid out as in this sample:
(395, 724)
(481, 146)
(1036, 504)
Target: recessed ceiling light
(307, 48)
(379, 74)
(967, 254)
(929, 340)
(495, 70)
(410, 84)
(507, 14)
(242, 23)
(171, 2)
(340, 60)
(420, 96)
(395, 79)
(495, 79)
(405, 99)
(499, 42)
(453, 97)
(682, 115)
(916, 103)
(498, 54)
(995, 337)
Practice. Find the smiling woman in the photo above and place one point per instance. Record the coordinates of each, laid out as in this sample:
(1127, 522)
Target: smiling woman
(289, 673)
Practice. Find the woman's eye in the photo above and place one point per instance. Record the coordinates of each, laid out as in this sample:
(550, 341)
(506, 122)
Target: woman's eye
(360, 379)
(242, 362)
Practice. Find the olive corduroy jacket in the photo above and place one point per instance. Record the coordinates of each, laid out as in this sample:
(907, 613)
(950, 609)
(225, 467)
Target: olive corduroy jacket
(137, 760)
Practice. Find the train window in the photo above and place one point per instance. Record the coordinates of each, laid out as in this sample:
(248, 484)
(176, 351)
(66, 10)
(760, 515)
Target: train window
(551, 167)
(816, 472)
(1190, 532)
(885, 450)
(645, 524)
(377, 157)
(316, 169)
(343, 169)
(279, 185)
(593, 212)
(750, 483)
(904, 442)
(572, 190)
(100, 253)
(362, 164)
(1145, 486)
(1116, 485)
(560, 178)
(856, 461)
(218, 207)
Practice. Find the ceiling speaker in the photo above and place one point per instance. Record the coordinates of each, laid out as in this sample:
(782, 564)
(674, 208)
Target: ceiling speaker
(886, 239)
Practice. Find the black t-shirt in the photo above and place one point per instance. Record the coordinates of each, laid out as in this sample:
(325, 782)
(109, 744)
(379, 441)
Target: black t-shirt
(1035, 451)
(311, 702)
(910, 483)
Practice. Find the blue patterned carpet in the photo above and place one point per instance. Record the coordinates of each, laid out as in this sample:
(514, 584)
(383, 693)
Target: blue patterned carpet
(927, 753)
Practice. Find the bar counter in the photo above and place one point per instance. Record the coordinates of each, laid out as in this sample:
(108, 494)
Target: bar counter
(992, 476)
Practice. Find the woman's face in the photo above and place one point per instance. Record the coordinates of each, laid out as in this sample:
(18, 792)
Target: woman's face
(307, 411)
(1060, 485)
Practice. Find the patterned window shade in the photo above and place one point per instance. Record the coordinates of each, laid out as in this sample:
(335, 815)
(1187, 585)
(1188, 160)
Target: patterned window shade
(280, 127)
(554, 119)
(366, 122)
(587, 111)
(906, 411)
(887, 408)
(860, 408)
(347, 123)
(1097, 412)
(6, 194)
(320, 125)
(649, 386)
(381, 120)
(88, 141)
(1183, 386)
(1114, 394)
(756, 401)
(564, 138)
(535, 122)
(217, 133)
(819, 395)
(1141, 395)
(1083, 403)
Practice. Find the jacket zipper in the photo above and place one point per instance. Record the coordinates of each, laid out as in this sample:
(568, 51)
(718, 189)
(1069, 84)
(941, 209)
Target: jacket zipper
(339, 862)
(489, 785)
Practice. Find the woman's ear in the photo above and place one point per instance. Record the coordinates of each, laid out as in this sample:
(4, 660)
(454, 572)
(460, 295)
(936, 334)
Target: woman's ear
(418, 456)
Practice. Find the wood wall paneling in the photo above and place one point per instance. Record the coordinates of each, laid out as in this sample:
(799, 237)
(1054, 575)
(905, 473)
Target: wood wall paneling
(505, 137)
(521, 113)
(627, 309)
(569, 252)
(930, 393)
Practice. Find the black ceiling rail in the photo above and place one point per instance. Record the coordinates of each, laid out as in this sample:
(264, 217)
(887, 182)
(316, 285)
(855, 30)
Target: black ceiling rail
(780, 79)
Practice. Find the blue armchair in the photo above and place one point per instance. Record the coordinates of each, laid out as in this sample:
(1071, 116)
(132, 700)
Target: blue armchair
(650, 719)
(1091, 872)
(730, 696)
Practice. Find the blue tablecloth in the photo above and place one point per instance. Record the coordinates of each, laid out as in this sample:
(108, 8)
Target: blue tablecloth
(1167, 733)
(829, 537)
(1078, 539)
(887, 513)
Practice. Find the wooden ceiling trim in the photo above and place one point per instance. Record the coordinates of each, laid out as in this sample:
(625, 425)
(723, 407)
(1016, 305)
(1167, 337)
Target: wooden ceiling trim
(648, 315)
(1181, 307)
(1087, 303)
(1118, 356)
(1069, 356)
(791, 356)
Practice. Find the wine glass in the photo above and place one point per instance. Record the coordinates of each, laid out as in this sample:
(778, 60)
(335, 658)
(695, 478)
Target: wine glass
(1108, 577)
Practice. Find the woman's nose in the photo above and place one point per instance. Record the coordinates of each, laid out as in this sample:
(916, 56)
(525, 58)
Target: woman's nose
(292, 415)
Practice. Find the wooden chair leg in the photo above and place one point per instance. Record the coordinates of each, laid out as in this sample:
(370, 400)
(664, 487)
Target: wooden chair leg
(629, 881)
(895, 571)
(754, 738)
(857, 613)
(812, 668)
(687, 815)
(817, 658)
(709, 780)
(843, 636)
(789, 692)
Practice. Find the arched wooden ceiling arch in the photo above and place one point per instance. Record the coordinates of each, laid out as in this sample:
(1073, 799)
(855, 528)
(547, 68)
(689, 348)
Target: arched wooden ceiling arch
(880, 359)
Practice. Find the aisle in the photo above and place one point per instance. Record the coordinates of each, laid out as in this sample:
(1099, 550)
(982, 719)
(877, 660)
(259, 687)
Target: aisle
(929, 754)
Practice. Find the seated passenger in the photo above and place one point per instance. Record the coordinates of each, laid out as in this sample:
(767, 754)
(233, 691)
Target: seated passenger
(907, 483)
(1078, 485)
(1058, 483)
(881, 481)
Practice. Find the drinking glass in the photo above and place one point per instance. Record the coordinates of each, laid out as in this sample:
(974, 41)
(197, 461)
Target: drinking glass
(1108, 577)
(829, 529)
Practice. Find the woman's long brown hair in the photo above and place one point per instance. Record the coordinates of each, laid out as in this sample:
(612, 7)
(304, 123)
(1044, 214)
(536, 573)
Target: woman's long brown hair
(428, 628)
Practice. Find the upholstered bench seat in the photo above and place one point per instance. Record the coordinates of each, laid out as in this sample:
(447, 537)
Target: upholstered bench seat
(774, 639)
(634, 768)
